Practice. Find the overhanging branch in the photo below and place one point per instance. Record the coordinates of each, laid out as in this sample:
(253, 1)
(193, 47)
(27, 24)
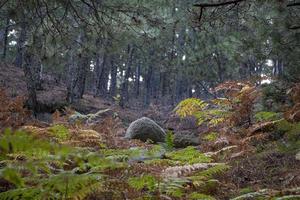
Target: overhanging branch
(206, 5)
(293, 4)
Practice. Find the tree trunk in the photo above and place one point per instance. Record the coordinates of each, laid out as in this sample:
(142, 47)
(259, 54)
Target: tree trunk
(76, 77)
(30, 64)
(102, 73)
(113, 80)
(163, 81)
(5, 39)
(20, 45)
(137, 80)
(148, 78)
(124, 88)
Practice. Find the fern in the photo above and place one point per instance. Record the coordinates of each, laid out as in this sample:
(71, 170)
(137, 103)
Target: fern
(174, 186)
(199, 196)
(189, 106)
(266, 116)
(144, 182)
(211, 136)
(55, 171)
(60, 132)
(188, 155)
(292, 136)
(12, 176)
(169, 141)
(215, 170)
(199, 109)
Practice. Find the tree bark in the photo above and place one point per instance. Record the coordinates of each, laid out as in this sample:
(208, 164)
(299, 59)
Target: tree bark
(5, 39)
(137, 80)
(76, 77)
(113, 80)
(30, 64)
(124, 88)
(102, 73)
(148, 78)
(20, 45)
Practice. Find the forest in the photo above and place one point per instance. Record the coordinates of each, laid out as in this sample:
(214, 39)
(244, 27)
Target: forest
(156, 100)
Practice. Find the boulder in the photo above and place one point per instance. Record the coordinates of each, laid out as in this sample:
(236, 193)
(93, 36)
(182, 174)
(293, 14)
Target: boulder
(144, 129)
(183, 139)
(177, 123)
(91, 118)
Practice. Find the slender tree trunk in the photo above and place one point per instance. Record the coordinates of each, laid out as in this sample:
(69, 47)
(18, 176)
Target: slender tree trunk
(20, 45)
(137, 80)
(71, 77)
(113, 80)
(76, 77)
(102, 73)
(82, 73)
(30, 63)
(5, 39)
(148, 78)
(163, 81)
(124, 88)
(155, 84)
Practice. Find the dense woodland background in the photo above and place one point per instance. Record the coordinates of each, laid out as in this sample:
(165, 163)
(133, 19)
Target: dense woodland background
(221, 77)
(158, 51)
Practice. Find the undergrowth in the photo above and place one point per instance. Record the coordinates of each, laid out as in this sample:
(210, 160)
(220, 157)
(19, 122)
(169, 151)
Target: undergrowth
(34, 167)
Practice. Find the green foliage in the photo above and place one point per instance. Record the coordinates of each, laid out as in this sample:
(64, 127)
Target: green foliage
(169, 140)
(189, 107)
(144, 182)
(199, 196)
(61, 186)
(291, 133)
(212, 136)
(40, 169)
(266, 116)
(12, 176)
(209, 173)
(204, 180)
(60, 132)
(173, 187)
(245, 190)
(202, 112)
(274, 96)
(188, 155)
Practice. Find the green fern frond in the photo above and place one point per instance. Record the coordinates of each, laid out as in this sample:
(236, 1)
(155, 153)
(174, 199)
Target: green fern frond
(215, 170)
(266, 116)
(169, 140)
(188, 155)
(199, 196)
(60, 132)
(189, 107)
(144, 182)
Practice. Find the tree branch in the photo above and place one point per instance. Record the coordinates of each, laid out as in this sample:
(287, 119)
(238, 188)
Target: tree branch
(205, 5)
(3, 3)
(294, 27)
(293, 4)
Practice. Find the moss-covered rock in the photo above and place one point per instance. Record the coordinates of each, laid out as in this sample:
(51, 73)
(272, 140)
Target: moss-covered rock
(185, 138)
(145, 129)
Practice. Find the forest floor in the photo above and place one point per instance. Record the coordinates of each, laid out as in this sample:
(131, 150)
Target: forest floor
(250, 162)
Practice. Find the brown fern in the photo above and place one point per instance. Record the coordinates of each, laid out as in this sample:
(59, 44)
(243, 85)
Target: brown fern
(180, 171)
(293, 114)
(12, 111)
